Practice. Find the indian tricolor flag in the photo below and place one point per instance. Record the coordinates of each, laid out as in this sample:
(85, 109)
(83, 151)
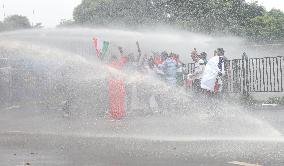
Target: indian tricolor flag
(101, 47)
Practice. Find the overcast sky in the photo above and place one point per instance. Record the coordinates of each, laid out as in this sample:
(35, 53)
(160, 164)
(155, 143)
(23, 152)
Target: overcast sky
(50, 12)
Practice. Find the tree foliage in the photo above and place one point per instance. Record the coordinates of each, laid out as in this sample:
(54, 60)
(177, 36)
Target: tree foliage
(269, 26)
(210, 16)
(127, 12)
(15, 22)
(2, 26)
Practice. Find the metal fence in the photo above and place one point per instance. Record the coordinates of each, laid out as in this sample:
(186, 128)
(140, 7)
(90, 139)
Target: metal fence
(252, 74)
(190, 67)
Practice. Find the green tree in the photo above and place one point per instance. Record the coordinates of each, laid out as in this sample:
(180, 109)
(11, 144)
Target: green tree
(268, 27)
(2, 26)
(85, 12)
(17, 22)
(214, 15)
(209, 16)
(125, 12)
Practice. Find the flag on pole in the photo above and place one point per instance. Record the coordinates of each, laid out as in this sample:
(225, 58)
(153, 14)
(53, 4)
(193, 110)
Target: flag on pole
(101, 47)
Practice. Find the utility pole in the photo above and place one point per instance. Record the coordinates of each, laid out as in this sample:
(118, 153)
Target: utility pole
(33, 19)
(4, 14)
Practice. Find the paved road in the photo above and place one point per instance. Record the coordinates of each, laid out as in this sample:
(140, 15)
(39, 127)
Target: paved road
(18, 149)
(41, 139)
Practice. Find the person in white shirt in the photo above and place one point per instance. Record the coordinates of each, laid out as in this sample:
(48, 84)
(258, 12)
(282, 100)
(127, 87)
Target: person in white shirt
(213, 73)
(196, 76)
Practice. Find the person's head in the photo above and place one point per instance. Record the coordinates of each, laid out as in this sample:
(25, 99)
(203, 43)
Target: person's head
(194, 57)
(164, 55)
(146, 56)
(151, 62)
(113, 58)
(120, 50)
(220, 52)
(156, 55)
(171, 55)
(203, 55)
(194, 52)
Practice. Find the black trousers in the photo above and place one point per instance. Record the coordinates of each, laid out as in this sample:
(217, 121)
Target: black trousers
(197, 86)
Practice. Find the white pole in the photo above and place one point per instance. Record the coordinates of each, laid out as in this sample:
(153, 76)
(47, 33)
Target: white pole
(33, 19)
(3, 11)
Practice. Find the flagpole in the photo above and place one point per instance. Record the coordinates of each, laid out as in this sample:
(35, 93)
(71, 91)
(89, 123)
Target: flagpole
(139, 52)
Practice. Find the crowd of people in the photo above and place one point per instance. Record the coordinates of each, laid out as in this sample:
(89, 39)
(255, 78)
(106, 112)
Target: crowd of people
(205, 79)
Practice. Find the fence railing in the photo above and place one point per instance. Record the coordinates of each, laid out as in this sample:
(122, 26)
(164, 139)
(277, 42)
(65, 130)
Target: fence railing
(252, 74)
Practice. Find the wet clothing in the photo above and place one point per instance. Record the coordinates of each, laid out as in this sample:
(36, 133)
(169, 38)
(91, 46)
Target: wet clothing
(169, 67)
(213, 71)
(118, 64)
(180, 79)
(158, 73)
(196, 86)
(116, 98)
(205, 61)
(196, 76)
(130, 67)
(199, 67)
(144, 89)
(158, 61)
(116, 90)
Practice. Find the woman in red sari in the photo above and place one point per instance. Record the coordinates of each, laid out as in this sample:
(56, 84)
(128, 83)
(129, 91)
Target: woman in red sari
(116, 88)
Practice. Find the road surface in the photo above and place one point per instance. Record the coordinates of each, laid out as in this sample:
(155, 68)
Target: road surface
(45, 138)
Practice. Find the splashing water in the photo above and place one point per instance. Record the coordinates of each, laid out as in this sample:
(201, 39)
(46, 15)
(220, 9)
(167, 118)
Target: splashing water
(50, 66)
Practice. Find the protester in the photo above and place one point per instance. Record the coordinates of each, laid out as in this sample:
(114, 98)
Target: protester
(169, 67)
(130, 64)
(116, 89)
(130, 67)
(164, 56)
(194, 52)
(144, 93)
(214, 71)
(196, 76)
(203, 56)
(207, 75)
(180, 71)
(157, 59)
(143, 65)
(160, 76)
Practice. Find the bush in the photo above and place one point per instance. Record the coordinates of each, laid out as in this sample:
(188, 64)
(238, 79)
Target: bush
(275, 100)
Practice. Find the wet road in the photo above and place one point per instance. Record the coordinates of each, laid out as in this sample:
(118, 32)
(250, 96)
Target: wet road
(18, 149)
(31, 141)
